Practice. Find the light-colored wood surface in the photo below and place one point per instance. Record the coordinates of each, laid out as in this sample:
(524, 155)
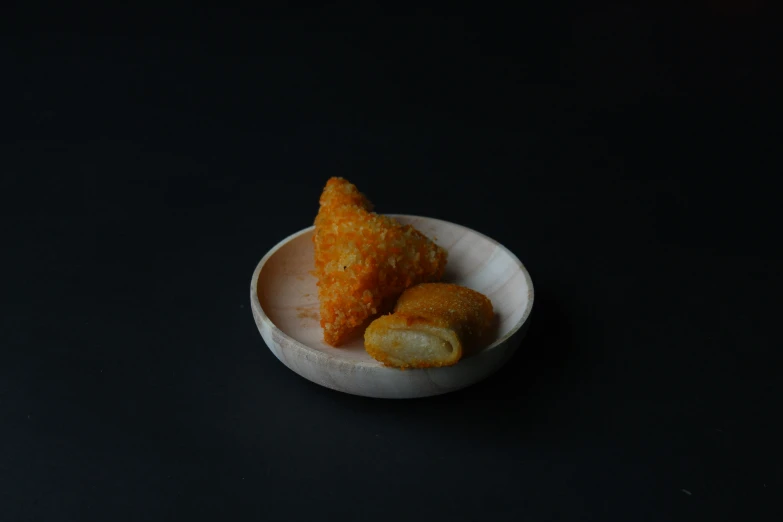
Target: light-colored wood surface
(284, 301)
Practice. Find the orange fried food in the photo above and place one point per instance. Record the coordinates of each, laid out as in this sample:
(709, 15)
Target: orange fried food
(363, 261)
(432, 325)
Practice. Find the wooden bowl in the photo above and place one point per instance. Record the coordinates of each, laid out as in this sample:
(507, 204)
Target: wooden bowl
(284, 301)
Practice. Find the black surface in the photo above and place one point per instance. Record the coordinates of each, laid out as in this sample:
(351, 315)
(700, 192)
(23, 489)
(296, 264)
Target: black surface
(624, 154)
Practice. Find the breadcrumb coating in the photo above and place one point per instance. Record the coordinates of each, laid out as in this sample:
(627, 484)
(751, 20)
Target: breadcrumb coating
(452, 313)
(363, 261)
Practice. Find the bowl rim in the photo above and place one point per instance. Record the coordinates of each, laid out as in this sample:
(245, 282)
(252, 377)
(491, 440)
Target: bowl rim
(258, 310)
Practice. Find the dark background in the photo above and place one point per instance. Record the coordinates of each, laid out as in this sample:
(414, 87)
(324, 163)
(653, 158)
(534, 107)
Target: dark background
(149, 160)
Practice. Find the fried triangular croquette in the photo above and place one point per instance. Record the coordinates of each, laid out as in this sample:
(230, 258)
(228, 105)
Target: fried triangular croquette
(364, 261)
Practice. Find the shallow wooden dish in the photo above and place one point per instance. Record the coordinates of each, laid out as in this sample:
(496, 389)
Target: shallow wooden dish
(284, 301)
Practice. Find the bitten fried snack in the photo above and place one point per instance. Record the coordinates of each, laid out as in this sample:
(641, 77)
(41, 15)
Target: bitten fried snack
(363, 261)
(432, 325)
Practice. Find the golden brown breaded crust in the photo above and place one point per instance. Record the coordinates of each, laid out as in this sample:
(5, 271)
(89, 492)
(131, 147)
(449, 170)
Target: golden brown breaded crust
(429, 307)
(364, 260)
(447, 305)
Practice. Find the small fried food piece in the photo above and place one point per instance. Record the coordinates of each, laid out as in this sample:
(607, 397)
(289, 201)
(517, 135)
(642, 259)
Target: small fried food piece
(363, 261)
(432, 325)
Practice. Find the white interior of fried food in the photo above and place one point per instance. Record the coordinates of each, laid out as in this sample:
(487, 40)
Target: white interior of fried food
(419, 344)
